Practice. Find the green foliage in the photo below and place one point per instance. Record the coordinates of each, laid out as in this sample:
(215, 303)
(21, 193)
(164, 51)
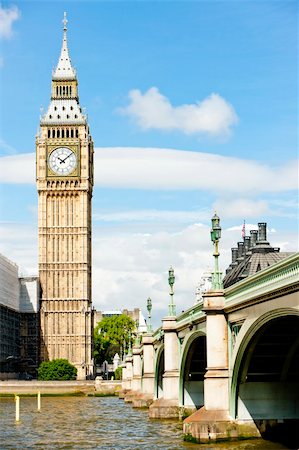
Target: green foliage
(57, 369)
(118, 373)
(110, 334)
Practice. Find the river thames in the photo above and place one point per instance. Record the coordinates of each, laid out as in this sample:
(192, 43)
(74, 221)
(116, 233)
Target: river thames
(96, 423)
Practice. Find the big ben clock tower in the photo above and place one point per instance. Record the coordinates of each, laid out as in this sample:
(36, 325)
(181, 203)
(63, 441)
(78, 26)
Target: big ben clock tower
(64, 168)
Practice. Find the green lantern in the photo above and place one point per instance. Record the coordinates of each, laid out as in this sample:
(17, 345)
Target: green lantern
(149, 315)
(215, 237)
(171, 280)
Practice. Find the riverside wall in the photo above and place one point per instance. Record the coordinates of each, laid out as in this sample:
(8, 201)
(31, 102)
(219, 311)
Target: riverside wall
(92, 387)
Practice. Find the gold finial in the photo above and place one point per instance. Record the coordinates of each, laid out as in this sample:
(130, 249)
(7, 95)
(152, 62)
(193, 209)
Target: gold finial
(64, 21)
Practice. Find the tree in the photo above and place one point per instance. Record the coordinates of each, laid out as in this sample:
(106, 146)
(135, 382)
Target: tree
(57, 369)
(118, 373)
(110, 334)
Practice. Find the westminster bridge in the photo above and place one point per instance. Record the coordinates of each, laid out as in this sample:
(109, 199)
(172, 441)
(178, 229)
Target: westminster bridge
(231, 360)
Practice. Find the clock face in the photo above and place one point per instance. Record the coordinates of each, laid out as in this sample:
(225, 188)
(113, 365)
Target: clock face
(62, 161)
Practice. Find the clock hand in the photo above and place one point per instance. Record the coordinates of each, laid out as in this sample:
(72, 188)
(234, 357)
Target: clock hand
(61, 160)
(66, 157)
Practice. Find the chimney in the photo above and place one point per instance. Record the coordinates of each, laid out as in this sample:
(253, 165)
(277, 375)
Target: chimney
(262, 232)
(234, 255)
(240, 250)
(246, 244)
(253, 237)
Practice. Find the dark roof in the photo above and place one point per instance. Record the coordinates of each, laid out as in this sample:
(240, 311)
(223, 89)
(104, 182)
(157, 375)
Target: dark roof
(250, 259)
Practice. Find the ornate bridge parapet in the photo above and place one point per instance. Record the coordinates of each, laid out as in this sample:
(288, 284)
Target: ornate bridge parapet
(232, 357)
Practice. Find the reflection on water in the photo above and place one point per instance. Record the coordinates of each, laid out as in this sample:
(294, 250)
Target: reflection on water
(95, 423)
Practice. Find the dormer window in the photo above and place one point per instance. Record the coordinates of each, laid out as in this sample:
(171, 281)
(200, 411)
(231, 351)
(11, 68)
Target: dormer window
(76, 116)
(67, 116)
(63, 108)
(58, 116)
(50, 116)
(72, 108)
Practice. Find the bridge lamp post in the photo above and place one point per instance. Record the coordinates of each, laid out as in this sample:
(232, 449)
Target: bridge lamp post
(215, 237)
(137, 336)
(171, 280)
(129, 344)
(149, 315)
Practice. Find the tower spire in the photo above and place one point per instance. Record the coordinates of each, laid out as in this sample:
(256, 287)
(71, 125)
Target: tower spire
(64, 69)
(65, 21)
(64, 107)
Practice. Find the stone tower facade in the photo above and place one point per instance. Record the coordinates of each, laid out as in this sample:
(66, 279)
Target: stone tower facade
(64, 171)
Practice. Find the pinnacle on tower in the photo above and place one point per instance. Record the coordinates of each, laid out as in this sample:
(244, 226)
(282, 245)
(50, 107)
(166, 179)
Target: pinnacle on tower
(64, 69)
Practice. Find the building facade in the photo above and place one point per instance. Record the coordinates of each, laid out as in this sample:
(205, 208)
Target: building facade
(19, 321)
(64, 162)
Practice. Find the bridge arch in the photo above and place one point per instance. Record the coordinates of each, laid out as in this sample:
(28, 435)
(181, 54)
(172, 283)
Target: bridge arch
(265, 376)
(159, 371)
(192, 370)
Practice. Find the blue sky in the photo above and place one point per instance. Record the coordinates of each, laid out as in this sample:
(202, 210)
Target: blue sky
(192, 107)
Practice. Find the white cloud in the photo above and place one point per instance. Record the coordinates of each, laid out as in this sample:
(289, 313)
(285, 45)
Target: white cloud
(241, 207)
(7, 17)
(248, 226)
(213, 116)
(167, 169)
(18, 168)
(128, 267)
(18, 242)
(150, 215)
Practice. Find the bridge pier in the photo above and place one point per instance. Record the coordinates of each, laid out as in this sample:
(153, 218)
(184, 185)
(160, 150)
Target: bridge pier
(146, 396)
(136, 375)
(168, 406)
(127, 376)
(212, 422)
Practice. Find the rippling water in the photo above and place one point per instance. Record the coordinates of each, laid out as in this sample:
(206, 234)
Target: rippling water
(95, 423)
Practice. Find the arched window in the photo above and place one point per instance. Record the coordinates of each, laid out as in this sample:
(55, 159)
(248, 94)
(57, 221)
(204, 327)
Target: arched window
(72, 133)
(58, 133)
(63, 90)
(56, 91)
(62, 133)
(49, 133)
(67, 133)
(70, 91)
(53, 133)
(77, 134)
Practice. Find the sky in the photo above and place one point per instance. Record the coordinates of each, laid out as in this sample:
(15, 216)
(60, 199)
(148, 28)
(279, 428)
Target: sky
(192, 107)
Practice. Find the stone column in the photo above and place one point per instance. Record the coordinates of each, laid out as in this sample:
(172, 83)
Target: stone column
(145, 399)
(124, 380)
(216, 377)
(148, 380)
(171, 360)
(211, 421)
(135, 391)
(168, 406)
(137, 369)
(129, 372)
